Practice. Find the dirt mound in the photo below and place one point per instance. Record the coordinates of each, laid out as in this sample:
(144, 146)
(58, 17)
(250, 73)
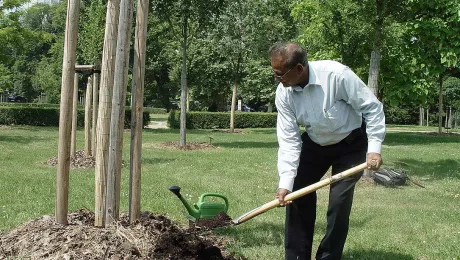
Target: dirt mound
(219, 220)
(188, 146)
(79, 160)
(151, 237)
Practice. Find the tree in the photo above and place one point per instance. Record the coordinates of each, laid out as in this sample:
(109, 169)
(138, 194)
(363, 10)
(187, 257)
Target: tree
(91, 34)
(435, 36)
(191, 16)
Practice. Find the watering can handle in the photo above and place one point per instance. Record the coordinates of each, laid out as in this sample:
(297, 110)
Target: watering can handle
(214, 195)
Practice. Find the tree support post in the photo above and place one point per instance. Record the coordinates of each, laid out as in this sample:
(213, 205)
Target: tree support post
(68, 74)
(118, 112)
(137, 110)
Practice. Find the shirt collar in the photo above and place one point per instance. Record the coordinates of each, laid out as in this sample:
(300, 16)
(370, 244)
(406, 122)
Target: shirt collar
(312, 79)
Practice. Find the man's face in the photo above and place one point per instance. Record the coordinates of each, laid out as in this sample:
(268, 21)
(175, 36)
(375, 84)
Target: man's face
(285, 75)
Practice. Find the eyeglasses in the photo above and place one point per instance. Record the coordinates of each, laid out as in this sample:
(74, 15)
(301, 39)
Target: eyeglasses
(278, 77)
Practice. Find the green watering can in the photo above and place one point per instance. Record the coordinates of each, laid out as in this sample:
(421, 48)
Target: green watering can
(202, 209)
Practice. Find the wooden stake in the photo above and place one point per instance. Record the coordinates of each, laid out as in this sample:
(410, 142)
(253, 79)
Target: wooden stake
(105, 104)
(65, 115)
(118, 111)
(73, 145)
(94, 117)
(137, 110)
(88, 100)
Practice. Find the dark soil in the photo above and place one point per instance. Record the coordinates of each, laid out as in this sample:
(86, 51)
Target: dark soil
(150, 237)
(220, 220)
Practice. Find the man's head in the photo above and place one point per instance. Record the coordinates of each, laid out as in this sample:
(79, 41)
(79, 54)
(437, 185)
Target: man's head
(289, 63)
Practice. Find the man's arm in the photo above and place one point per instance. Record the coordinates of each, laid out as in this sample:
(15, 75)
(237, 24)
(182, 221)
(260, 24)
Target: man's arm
(289, 142)
(353, 90)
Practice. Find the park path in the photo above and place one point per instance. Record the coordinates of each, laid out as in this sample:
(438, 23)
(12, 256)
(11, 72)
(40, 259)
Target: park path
(157, 125)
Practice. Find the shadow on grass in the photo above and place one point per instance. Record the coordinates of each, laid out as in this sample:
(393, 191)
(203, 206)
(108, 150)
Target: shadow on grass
(375, 255)
(396, 139)
(161, 131)
(263, 233)
(247, 144)
(441, 169)
(155, 161)
(255, 235)
(23, 139)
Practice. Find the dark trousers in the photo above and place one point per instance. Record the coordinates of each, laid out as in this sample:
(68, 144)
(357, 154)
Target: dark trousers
(315, 160)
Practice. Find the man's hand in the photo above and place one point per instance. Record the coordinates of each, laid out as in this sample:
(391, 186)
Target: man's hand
(374, 161)
(280, 194)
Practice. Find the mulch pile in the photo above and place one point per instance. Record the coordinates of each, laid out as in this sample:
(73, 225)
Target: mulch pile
(150, 237)
(80, 160)
(188, 145)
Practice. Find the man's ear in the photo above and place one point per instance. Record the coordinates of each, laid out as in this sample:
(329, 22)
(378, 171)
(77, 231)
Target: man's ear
(299, 67)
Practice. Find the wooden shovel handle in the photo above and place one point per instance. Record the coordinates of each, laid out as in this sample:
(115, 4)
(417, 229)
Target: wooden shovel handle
(299, 193)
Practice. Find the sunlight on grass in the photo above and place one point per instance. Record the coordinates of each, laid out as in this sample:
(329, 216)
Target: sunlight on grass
(403, 223)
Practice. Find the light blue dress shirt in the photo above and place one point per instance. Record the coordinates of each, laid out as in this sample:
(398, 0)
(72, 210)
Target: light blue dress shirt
(330, 106)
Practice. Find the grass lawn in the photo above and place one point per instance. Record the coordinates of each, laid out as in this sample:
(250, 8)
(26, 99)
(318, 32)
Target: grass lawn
(402, 223)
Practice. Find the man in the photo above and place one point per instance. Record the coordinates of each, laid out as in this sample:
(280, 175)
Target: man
(337, 109)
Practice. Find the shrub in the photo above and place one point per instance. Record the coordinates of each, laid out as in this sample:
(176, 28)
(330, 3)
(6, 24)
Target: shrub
(48, 116)
(401, 116)
(155, 110)
(210, 120)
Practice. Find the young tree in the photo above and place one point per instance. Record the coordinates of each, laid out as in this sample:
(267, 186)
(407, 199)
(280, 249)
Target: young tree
(434, 32)
(192, 17)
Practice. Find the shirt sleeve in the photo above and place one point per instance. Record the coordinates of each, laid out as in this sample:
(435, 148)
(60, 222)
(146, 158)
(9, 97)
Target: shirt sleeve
(353, 90)
(289, 141)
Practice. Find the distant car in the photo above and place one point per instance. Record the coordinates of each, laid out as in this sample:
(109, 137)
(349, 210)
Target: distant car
(174, 105)
(16, 98)
(245, 108)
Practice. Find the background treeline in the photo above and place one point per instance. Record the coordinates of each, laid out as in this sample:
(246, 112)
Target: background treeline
(226, 43)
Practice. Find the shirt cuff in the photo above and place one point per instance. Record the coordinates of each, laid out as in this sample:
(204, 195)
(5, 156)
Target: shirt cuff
(374, 147)
(286, 182)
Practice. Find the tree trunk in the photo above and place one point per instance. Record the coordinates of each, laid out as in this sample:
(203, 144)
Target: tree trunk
(65, 115)
(120, 83)
(421, 115)
(73, 144)
(88, 100)
(374, 67)
(427, 116)
(94, 117)
(440, 106)
(183, 82)
(188, 99)
(269, 107)
(137, 109)
(232, 110)
(105, 104)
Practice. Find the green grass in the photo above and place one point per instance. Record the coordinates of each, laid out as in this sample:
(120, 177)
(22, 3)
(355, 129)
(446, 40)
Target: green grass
(431, 128)
(403, 223)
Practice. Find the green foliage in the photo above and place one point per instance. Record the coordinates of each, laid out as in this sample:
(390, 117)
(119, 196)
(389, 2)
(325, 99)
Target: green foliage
(155, 110)
(221, 120)
(452, 92)
(48, 115)
(91, 32)
(401, 116)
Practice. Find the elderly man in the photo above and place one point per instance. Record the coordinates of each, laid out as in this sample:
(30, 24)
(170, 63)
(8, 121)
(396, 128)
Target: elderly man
(344, 125)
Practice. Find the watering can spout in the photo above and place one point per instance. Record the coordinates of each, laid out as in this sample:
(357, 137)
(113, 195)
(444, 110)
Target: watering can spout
(193, 212)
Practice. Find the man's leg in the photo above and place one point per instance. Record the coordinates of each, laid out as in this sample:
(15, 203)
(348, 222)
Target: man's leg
(301, 214)
(340, 200)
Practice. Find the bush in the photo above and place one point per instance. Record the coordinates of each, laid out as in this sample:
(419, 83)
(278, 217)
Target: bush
(37, 116)
(219, 120)
(401, 116)
(155, 110)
